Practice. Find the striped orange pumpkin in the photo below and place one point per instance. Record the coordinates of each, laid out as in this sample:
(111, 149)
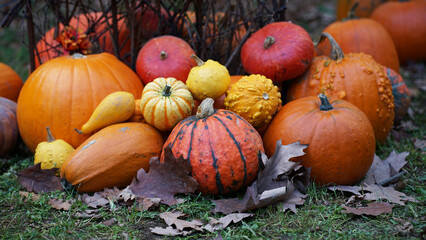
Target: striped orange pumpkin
(223, 149)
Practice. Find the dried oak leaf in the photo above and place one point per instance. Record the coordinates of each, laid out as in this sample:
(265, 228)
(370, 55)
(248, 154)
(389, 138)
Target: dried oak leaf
(388, 193)
(95, 201)
(276, 178)
(60, 204)
(383, 170)
(223, 222)
(32, 196)
(35, 179)
(344, 188)
(176, 226)
(374, 209)
(164, 180)
(296, 198)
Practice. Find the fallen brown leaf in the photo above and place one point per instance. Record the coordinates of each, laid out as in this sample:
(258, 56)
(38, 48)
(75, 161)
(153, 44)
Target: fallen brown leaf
(420, 144)
(296, 198)
(95, 201)
(60, 204)
(388, 193)
(277, 180)
(172, 219)
(109, 222)
(147, 203)
(374, 209)
(169, 231)
(223, 222)
(34, 179)
(352, 189)
(382, 171)
(32, 196)
(164, 180)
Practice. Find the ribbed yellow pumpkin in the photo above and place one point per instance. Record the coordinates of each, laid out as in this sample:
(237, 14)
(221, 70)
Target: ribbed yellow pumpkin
(255, 98)
(166, 101)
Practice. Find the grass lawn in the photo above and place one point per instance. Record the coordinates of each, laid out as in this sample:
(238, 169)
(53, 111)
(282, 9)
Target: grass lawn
(319, 218)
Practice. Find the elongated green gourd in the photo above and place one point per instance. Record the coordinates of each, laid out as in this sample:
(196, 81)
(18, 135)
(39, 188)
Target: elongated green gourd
(114, 108)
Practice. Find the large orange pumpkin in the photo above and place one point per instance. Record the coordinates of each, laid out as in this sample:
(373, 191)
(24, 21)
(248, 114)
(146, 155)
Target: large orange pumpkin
(362, 35)
(112, 156)
(222, 148)
(10, 83)
(63, 93)
(355, 77)
(9, 133)
(340, 138)
(95, 22)
(406, 23)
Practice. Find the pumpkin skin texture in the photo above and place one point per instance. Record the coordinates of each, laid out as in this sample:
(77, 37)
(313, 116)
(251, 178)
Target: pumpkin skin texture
(406, 23)
(165, 56)
(112, 156)
(355, 77)
(10, 83)
(281, 59)
(52, 153)
(401, 94)
(362, 35)
(116, 107)
(341, 140)
(64, 92)
(165, 102)
(48, 47)
(255, 98)
(223, 149)
(9, 132)
(209, 79)
(364, 9)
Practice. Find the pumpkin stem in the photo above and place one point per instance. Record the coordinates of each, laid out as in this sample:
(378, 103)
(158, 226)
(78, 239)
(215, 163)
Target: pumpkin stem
(325, 104)
(163, 55)
(336, 51)
(269, 41)
(166, 91)
(50, 138)
(206, 108)
(78, 56)
(197, 59)
(351, 13)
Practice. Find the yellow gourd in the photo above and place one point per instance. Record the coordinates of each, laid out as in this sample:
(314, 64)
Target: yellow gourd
(208, 79)
(255, 98)
(166, 101)
(52, 153)
(116, 107)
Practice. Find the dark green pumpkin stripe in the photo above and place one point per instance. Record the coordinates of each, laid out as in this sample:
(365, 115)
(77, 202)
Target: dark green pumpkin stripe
(219, 184)
(237, 145)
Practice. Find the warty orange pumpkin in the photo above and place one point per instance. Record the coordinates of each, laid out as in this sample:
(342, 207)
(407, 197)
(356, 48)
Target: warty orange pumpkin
(63, 93)
(355, 77)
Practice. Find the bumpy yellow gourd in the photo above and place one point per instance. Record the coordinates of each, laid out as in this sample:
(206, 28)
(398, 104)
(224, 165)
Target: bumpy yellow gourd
(166, 101)
(52, 153)
(255, 98)
(208, 79)
(116, 107)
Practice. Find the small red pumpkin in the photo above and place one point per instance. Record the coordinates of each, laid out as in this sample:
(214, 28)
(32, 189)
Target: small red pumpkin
(10, 83)
(165, 56)
(223, 149)
(340, 138)
(280, 51)
(9, 132)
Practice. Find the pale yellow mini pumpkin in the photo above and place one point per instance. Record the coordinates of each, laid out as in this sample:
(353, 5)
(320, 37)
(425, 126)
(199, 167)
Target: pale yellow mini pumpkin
(52, 153)
(166, 101)
(209, 79)
(255, 98)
